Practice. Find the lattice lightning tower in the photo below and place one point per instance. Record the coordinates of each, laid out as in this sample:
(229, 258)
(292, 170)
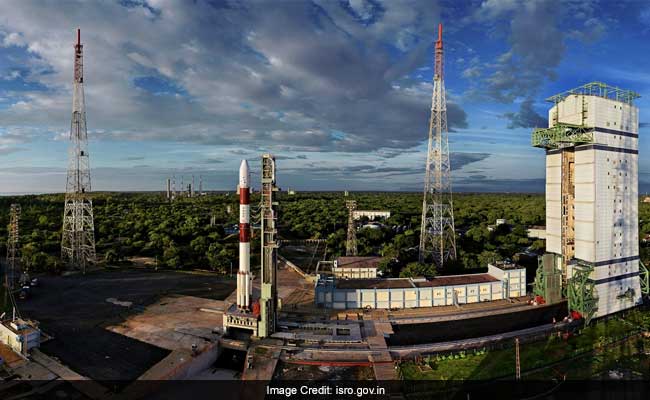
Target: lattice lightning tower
(351, 242)
(437, 237)
(78, 240)
(13, 257)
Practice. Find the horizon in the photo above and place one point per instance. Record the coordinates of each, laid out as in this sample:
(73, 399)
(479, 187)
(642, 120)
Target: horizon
(340, 92)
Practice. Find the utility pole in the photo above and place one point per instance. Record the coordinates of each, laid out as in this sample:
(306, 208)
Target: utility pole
(437, 234)
(351, 242)
(517, 365)
(78, 240)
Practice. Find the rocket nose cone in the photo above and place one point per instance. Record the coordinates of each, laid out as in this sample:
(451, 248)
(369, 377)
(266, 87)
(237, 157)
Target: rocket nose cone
(244, 174)
(243, 166)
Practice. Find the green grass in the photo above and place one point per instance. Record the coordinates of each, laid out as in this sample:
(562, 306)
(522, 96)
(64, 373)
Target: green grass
(499, 363)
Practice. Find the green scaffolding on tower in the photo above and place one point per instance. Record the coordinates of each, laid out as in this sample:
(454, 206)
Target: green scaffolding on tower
(548, 278)
(580, 292)
(644, 276)
(562, 133)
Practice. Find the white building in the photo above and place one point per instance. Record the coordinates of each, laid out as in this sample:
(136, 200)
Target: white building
(512, 276)
(356, 267)
(370, 214)
(536, 232)
(20, 335)
(502, 281)
(592, 195)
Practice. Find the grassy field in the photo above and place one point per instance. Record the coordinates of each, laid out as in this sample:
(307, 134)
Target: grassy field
(603, 338)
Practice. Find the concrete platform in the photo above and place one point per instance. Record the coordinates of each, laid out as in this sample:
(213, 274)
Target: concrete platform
(175, 322)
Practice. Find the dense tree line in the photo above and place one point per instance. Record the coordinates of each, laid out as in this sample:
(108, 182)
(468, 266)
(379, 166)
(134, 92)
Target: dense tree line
(180, 234)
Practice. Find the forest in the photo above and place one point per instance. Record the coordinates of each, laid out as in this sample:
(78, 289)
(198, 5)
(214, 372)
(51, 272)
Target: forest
(200, 232)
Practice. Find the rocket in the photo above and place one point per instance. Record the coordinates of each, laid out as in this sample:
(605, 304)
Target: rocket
(244, 283)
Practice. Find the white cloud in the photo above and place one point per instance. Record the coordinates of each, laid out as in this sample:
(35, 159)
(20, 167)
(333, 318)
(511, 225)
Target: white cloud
(248, 72)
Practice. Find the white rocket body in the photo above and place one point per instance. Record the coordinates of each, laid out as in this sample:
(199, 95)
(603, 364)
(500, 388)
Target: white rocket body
(244, 282)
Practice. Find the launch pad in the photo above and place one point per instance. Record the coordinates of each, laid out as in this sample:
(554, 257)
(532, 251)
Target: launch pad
(240, 319)
(259, 315)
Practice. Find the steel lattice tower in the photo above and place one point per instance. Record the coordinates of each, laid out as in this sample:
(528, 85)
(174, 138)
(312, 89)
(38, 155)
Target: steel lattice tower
(351, 243)
(13, 258)
(268, 218)
(437, 237)
(78, 240)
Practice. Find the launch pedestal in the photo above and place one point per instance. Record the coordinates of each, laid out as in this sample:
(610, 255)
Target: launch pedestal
(236, 318)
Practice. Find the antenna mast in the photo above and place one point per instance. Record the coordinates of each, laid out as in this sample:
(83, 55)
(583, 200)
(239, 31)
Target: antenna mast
(78, 240)
(437, 235)
(13, 257)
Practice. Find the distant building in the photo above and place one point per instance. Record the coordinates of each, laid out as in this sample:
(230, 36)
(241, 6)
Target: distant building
(646, 199)
(356, 267)
(502, 281)
(536, 232)
(370, 214)
(20, 335)
(501, 221)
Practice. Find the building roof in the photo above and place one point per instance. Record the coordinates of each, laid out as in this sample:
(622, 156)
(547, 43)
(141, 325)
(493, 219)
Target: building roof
(504, 265)
(19, 326)
(407, 283)
(454, 280)
(358, 262)
(378, 283)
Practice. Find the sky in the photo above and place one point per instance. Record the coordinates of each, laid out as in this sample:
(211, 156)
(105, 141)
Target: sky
(339, 91)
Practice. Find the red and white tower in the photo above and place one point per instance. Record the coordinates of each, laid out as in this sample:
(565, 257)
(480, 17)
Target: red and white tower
(437, 234)
(244, 283)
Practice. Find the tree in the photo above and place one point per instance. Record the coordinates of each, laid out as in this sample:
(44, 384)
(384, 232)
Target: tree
(111, 256)
(487, 257)
(171, 256)
(42, 220)
(218, 258)
(416, 269)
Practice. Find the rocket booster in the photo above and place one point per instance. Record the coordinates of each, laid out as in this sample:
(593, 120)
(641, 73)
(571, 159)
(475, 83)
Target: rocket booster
(244, 283)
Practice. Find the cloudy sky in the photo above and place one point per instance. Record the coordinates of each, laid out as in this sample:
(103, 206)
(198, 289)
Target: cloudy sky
(340, 91)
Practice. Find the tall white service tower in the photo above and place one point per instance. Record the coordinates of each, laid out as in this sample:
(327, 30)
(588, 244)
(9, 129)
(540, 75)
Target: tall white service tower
(592, 197)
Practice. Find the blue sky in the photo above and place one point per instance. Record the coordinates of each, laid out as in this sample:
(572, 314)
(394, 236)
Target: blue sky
(340, 91)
